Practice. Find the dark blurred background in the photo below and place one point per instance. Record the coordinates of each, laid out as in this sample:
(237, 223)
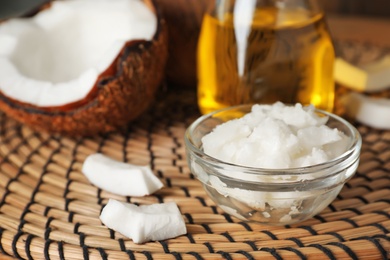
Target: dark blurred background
(358, 7)
(9, 8)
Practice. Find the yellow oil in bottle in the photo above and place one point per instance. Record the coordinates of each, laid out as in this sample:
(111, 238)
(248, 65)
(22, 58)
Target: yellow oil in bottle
(285, 56)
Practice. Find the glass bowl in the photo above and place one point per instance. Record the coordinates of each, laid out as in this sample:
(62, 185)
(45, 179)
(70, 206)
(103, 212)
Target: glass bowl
(270, 196)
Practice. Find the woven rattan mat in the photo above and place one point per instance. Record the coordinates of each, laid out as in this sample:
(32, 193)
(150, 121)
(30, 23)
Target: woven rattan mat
(49, 210)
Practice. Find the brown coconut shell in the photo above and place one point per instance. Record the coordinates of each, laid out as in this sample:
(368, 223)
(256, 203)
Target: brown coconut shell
(121, 94)
(184, 19)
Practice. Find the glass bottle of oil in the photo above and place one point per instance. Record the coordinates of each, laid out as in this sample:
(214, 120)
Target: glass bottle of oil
(263, 51)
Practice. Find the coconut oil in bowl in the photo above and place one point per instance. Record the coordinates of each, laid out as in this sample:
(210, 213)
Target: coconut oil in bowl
(263, 51)
(260, 169)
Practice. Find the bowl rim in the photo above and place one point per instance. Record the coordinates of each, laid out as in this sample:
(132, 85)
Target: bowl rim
(353, 148)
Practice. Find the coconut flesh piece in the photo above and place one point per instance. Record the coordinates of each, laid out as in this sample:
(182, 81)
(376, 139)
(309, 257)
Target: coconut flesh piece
(144, 223)
(120, 178)
(369, 110)
(55, 57)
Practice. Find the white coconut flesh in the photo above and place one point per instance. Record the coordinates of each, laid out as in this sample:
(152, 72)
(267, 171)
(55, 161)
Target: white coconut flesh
(55, 57)
(144, 223)
(120, 178)
(372, 111)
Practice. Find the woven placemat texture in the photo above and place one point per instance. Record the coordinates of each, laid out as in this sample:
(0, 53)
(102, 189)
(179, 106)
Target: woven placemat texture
(48, 209)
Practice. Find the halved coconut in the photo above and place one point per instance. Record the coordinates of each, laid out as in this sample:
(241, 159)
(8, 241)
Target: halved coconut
(81, 67)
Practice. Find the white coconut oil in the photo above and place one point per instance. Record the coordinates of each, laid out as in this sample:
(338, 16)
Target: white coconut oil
(275, 137)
